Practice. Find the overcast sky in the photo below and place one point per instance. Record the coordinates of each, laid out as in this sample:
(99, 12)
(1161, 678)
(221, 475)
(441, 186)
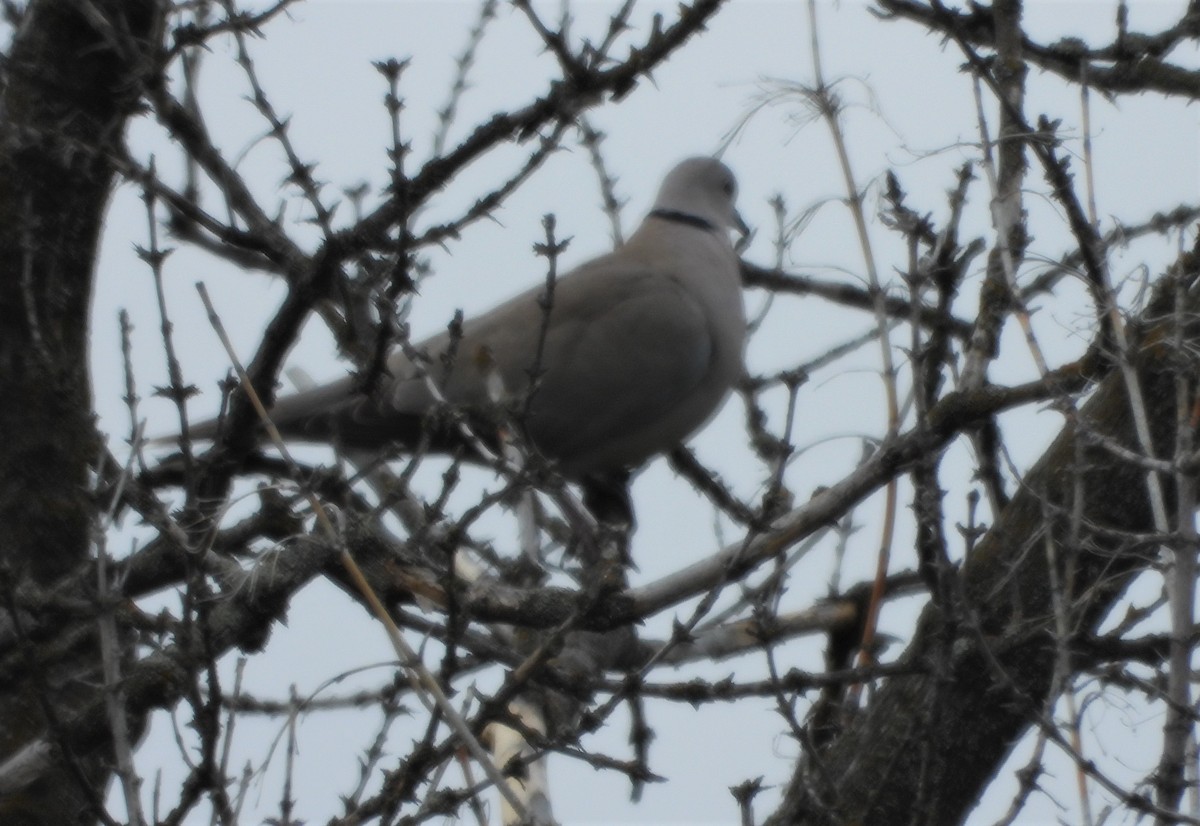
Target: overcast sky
(911, 111)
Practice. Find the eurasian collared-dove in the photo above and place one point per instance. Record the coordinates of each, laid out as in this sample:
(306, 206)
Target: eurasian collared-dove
(640, 348)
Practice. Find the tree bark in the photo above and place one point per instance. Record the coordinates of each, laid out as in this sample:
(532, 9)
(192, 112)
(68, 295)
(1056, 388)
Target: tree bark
(927, 745)
(74, 75)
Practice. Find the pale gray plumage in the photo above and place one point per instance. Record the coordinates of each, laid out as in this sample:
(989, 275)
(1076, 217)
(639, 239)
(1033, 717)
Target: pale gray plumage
(642, 346)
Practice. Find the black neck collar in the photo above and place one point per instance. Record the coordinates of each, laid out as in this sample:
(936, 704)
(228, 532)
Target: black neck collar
(683, 218)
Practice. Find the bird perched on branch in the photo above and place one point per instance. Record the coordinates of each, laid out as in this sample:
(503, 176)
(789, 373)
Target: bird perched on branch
(634, 351)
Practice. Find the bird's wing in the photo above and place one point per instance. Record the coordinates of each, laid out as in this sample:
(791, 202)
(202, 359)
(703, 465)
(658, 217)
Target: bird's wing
(624, 350)
(612, 397)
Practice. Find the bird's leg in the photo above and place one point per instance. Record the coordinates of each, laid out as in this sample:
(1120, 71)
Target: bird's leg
(606, 497)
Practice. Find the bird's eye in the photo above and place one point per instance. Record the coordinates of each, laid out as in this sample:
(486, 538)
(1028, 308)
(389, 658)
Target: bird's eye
(727, 187)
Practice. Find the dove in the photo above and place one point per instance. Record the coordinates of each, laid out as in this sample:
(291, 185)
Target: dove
(635, 351)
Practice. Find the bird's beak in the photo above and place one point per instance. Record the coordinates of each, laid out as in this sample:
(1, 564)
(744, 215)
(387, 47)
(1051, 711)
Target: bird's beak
(740, 224)
(744, 233)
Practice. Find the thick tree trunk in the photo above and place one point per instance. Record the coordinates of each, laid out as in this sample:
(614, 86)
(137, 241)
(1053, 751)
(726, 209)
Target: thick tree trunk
(74, 73)
(927, 745)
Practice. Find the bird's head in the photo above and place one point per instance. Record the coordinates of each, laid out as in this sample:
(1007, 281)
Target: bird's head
(702, 188)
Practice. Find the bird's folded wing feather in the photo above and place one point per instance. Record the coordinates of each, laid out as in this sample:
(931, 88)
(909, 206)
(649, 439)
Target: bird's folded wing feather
(623, 348)
(622, 356)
